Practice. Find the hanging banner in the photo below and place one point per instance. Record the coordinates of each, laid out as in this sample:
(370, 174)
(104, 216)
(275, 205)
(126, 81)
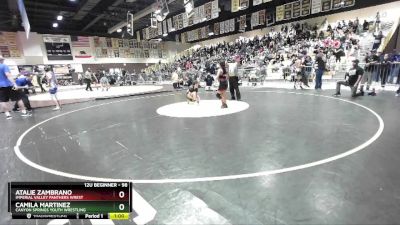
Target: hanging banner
(226, 26)
(216, 28)
(244, 4)
(81, 47)
(326, 5)
(337, 4)
(305, 7)
(296, 9)
(261, 17)
(196, 15)
(180, 21)
(8, 45)
(203, 33)
(169, 23)
(270, 18)
(185, 20)
(138, 35)
(199, 33)
(280, 13)
(242, 23)
(202, 14)
(208, 10)
(316, 6)
(175, 23)
(222, 28)
(254, 20)
(159, 28)
(215, 9)
(235, 5)
(257, 2)
(147, 30)
(165, 31)
(190, 21)
(349, 3)
(288, 11)
(232, 25)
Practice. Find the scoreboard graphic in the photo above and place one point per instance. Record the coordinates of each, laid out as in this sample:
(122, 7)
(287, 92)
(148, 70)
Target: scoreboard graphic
(84, 200)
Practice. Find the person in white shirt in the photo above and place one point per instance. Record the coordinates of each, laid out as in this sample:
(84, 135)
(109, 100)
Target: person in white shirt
(52, 81)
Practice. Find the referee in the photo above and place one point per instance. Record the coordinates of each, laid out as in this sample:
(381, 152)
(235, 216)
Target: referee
(9, 91)
(234, 79)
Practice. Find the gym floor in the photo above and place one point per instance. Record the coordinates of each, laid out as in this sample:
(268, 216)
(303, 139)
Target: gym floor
(291, 157)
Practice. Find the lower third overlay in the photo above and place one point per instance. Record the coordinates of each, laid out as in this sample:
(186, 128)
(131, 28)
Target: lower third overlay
(75, 200)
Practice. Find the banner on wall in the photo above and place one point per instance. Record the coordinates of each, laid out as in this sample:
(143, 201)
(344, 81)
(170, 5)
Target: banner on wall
(316, 6)
(254, 19)
(138, 35)
(180, 21)
(175, 23)
(165, 31)
(235, 5)
(244, 4)
(202, 14)
(257, 2)
(261, 17)
(296, 9)
(169, 23)
(288, 11)
(232, 25)
(305, 7)
(280, 13)
(270, 18)
(349, 3)
(81, 47)
(326, 5)
(58, 47)
(215, 9)
(222, 28)
(242, 23)
(208, 10)
(216, 28)
(159, 28)
(227, 28)
(8, 45)
(185, 20)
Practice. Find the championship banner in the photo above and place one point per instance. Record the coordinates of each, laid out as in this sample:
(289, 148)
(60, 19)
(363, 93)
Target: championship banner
(180, 21)
(270, 18)
(214, 9)
(280, 13)
(261, 17)
(208, 10)
(254, 20)
(203, 33)
(257, 2)
(8, 45)
(232, 25)
(165, 31)
(288, 11)
(235, 5)
(242, 23)
(316, 6)
(81, 47)
(190, 21)
(159, 29)
(227, 26)
(216, 28)
(337, 4)
(199, 33)
(147, 30)
(296, 9)
(222, 28)
(202, 15)
(138, 35)
(58, 47)
(185, 20)
(169, 23)
(305, 7)
(244, 4)
(264, 1)
(349, 3)
(175, 23)
(195, 15)
(326, 5)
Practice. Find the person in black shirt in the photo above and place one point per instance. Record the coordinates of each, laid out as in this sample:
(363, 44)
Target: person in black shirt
(209, 81)
(378, 40)
(353, 79)
(385, 66)
(321, 62)
(192, 93)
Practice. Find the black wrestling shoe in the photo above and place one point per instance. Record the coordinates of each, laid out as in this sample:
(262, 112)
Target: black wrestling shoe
(337, 95)
(218, 95)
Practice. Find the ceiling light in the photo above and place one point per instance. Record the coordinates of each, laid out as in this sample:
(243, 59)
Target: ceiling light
(211, 34)
(72, 0)
(59, 17)
(119, 30)
(55, 25)
(128, 25)
(129, 30)
(164, 35)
